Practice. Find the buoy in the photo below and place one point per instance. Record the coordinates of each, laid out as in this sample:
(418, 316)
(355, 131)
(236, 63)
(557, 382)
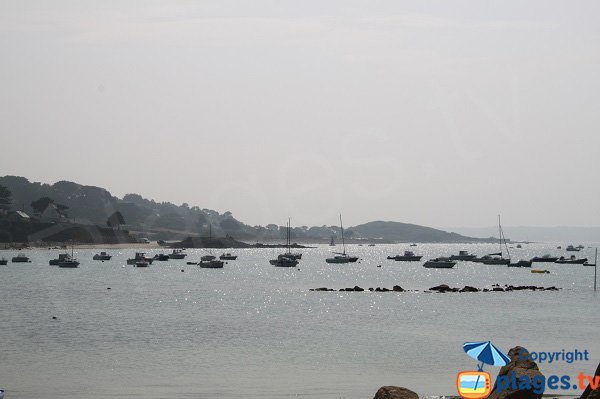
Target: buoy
(182, 270)
(53, 317)
(108, 288)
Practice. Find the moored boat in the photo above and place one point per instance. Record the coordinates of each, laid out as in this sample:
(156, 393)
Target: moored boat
(3, 262)
(161, 257)
(521, 263)
(207, 258)
(102, 256)
(571, 248)
(409, 256)
(287, 259)
(142, 263)
(68, 263)
(227, 256)
(439, 263)
(20, 258)
(342, 257)
(572, 260)
(463, 255)
(61, 258)
(545, 259)
(177, 254)
(139, 257)
(284, 261)
(211, 264)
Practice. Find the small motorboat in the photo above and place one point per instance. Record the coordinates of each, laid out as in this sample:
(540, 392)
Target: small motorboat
(177, 254)
(162, 257)
(211, 264)
(519, 246)
(571, 248)
(521, 263)
(545, 258)
(342, 258)
(61, 258)
(572, 260)
(102, 256)
(3, 262)
(439, 263)
(284, 261)
(580, 246)
(541, 271)
(492, 260)
(227, 256)
(142, 263)
(21, 258)
(463, 255)
(413, 245)
(68, 263)
(139, 257)
(371, 245)
(207, 258)
(409, 256)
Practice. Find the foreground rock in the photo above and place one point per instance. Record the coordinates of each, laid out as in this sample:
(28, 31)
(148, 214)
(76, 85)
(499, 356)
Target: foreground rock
(590, 393)
(391, 392)
(520, 367)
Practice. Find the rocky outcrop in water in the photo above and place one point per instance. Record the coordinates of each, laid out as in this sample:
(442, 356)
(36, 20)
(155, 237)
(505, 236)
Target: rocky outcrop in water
(391, 392)
(444, 288)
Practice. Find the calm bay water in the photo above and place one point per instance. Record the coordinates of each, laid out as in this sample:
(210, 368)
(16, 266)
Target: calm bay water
(255, 331)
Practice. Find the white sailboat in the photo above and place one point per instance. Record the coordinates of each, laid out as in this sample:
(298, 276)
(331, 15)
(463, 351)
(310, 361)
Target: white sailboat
(342, 257)
(287, 259)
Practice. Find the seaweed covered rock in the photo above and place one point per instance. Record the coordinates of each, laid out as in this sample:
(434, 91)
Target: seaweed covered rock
(391, 392)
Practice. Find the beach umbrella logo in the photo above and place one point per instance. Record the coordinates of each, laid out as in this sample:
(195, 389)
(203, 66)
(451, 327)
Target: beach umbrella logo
(478, 384)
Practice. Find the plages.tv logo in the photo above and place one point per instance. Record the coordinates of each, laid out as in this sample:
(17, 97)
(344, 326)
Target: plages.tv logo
(478, 384)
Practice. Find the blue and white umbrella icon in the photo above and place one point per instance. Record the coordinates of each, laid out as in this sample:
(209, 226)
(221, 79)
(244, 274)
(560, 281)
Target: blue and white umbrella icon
(486, 353)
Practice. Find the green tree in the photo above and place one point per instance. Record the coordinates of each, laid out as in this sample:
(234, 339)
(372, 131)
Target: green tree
(41, 204)
(5, 198)
(115, 220)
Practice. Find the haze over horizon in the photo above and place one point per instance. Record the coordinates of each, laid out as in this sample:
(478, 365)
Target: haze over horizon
(420, 112)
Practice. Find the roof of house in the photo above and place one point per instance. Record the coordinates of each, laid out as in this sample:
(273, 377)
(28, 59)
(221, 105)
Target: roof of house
(22, 214)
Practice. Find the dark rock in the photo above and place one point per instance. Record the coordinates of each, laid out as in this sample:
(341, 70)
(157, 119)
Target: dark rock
(378, 289)
(486, 290)
(320, 289)
(498, 289)
(468, 288)
(357, 288)
(391, 392)
(520, 366)
(371, 289)
(385, 289)
(440, 288)
(397, 288)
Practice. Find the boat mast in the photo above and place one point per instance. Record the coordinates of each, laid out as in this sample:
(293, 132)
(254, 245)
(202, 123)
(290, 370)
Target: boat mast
(500, 235)
(343, 242)
(289, 235)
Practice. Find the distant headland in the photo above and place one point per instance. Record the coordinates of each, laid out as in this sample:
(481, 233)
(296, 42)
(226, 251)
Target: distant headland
(63, 211)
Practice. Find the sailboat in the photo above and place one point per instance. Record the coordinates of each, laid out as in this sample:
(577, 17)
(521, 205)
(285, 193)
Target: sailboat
(69, 261)
(498, 258)
(287, 259)
(342, 257)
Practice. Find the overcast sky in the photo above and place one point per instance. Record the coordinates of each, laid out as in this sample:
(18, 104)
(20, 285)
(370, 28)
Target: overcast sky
(442, 113)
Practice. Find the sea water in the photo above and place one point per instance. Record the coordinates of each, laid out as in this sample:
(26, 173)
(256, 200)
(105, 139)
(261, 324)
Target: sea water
(252, 330)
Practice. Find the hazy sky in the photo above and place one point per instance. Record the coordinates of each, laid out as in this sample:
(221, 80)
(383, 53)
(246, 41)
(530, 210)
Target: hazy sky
(441, 113)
